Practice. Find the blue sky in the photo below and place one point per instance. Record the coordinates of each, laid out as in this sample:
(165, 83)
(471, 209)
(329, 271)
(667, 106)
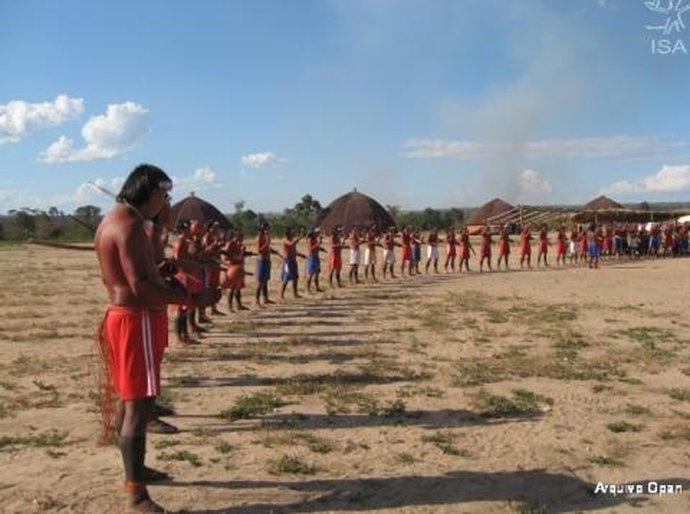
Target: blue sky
(417, 103)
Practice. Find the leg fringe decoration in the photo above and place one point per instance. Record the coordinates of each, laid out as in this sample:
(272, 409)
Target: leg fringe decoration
(106, 393)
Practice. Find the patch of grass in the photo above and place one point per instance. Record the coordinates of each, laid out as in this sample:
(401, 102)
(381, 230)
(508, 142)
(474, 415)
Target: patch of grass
(471, 373)
(292, 465)
(49, 439)
(224, 447)
(43, 386)
(303, 385)
(251, 406)
(272, 438)
(340, 399)
(623, 426)
(681, 414)
(205, 432)
(609, 462)
(409, 391)
(243, 327)
(55, 454)
(648, 337)
(637, 410)
(405, 458)
(682, 395)
(182, 455)
(530, 509)
(165, 399)
(523, 403)
(600, 388)
(444, 441)
(165, 443)
(9, 386)
(676, 432)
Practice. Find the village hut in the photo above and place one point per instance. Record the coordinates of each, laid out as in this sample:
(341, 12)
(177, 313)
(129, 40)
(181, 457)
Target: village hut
(194, 208)
(602, 203)
(605, 210)
(354, 209)
(490, 213)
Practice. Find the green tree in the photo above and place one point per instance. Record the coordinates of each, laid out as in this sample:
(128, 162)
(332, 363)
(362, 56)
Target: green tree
(304, 213)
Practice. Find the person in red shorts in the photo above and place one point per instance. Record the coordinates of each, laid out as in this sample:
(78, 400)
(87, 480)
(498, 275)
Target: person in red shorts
(335, 259)
(134, 330)
(504, 247)
(465, 249)
(525, 247)
(451, 251)
(485, 248)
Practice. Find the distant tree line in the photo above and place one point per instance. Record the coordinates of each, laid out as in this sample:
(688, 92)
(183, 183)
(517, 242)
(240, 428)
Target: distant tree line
(80, 225)
(30, 223)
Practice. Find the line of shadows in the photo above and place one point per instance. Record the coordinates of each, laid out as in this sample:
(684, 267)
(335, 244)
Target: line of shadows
(551, 492)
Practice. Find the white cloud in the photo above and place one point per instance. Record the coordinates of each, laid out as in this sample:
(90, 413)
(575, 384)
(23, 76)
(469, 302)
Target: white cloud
(530, 182)
(668, 179)
(106, 136)
(19, 119)
(201, 179)
(259, 160)
(592, 147)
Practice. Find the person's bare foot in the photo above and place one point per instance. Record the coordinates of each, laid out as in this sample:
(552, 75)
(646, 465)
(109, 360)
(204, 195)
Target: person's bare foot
(138, 499)
(243, 308)
(145, 505)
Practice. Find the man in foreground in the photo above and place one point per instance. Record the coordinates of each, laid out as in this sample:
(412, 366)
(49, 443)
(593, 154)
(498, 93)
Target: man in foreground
(134, 332)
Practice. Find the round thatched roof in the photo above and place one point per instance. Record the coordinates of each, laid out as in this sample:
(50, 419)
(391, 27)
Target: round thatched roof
(602, 203)
(354, 210)
(488, 210)
(194, 208)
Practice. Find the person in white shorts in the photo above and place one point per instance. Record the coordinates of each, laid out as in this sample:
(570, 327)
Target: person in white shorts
(371, 241)
(388, 254)
(355, 242)
(432, 250)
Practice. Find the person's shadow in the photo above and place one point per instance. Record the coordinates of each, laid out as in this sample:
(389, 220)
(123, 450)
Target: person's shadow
(538, 489)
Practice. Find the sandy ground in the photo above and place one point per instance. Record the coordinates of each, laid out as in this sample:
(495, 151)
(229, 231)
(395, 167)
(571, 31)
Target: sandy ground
(397, 397)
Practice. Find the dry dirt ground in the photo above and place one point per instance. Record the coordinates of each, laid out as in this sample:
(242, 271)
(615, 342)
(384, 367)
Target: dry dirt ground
(502, 392)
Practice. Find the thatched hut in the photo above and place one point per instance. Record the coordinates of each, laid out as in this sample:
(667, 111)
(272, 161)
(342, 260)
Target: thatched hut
(602, 203)
(354, 209)
(484, 214)
(194, 208)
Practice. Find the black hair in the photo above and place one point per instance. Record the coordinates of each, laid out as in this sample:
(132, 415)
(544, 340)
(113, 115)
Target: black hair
(140, 185)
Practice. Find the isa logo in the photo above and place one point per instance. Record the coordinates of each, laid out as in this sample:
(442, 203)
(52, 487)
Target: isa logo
(670, 26)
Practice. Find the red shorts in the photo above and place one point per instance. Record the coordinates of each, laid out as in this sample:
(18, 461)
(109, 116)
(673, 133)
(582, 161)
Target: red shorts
(543, 247)
(335, 262)
(525, 250)
(464, 252)
(406, 253)
(451, 251)
(136, 339)
(485, 252)
(234, 277)
(560, 248)
(191, 282)
(504, 249)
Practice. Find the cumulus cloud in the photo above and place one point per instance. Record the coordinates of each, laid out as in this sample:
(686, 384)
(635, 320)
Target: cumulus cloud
(668, 179)
(106, 136)
(19, 119)
(592, 147)
(259, 160)
(529, 181)
(201, 179)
